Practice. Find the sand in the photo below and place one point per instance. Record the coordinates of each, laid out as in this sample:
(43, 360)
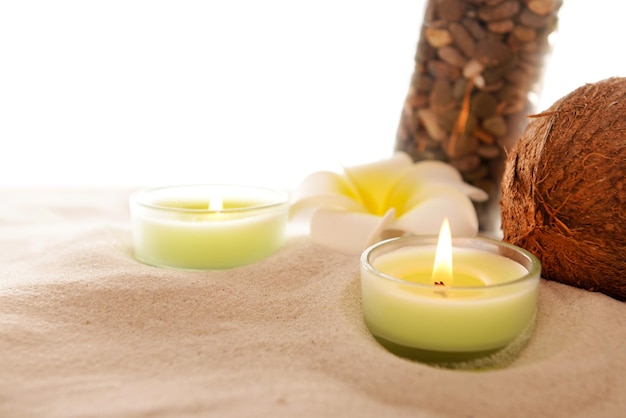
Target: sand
(88, 331)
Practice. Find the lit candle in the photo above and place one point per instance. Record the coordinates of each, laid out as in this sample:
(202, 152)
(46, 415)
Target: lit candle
(448, 295)
(207, 226)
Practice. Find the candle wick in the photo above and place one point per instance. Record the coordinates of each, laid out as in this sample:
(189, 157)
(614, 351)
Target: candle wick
(441, 292)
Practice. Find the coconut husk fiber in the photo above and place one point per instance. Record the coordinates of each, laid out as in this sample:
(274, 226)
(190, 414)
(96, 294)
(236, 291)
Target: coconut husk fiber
(564, 189)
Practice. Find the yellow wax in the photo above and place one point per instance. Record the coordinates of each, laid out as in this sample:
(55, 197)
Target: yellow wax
(203, 204)
(482, 309)
(184, 234)
(459, 279)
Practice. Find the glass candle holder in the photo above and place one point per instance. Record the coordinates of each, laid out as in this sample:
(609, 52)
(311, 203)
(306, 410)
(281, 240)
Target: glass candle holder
(483, 318)
(207, 227)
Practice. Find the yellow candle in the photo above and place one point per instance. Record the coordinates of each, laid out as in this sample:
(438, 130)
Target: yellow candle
(488, 302)
(181, 227)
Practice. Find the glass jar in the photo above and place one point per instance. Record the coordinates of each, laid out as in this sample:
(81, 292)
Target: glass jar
(477, 76)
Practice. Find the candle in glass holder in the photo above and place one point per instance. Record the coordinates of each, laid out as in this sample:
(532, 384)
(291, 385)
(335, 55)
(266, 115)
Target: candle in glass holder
(205, 227)
(469, 295)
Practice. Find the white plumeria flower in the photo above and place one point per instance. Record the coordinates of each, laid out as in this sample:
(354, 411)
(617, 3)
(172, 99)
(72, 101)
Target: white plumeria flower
(351, 211)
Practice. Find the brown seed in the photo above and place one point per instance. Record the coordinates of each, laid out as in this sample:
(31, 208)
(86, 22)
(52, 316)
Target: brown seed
(451, 10)
(483, 104)
(510, 106)
(422, 84)
(524, 33)
(479, 81)
(497, 73)
(492, 52)
(438, 37)
(470, 124)
(533, 20)
(495, 125)
(488, 2)
(472, 69)
(518, 77)
(462, 38)
(415, 101)
(447, 120)
(484, 136)
(493, 87)
(458, 91)
(501, 26)
(441, 96)
(466, 163)
(438, 24)
(475, 28)
(424, 51)
(542, 7)
(439, 69)
(464, 145)
(452, 56)
(477, 175)
(529, 47)
(500, 11)
(510, 91)
(430, 121)
(488, 152)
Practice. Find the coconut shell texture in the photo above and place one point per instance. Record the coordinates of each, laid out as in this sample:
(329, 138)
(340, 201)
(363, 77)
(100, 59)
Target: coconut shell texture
(564, 189)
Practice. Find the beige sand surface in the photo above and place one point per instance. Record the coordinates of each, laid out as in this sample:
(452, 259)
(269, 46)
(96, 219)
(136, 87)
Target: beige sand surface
(87, 331)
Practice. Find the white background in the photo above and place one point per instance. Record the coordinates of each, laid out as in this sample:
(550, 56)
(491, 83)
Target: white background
(261, 92)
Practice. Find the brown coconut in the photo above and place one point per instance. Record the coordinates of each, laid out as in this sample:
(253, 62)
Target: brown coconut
(564, 189)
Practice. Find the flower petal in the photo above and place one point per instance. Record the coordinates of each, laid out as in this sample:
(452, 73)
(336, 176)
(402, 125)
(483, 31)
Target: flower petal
(374, 181)
(432, 171)
(435, 204)
(325, 189)
(348, 232)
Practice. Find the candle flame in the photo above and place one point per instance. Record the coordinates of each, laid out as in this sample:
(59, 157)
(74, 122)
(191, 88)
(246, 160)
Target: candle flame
(215, 203)
(442, 269)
